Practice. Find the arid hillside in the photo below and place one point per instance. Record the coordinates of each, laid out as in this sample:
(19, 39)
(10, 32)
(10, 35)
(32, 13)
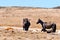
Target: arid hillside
(13, 16)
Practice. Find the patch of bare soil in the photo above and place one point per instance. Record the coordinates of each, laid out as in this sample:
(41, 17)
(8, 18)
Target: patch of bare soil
(16, 34)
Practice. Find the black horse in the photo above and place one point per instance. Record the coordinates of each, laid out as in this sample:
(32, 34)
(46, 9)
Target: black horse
(26, 24)
(46, 25)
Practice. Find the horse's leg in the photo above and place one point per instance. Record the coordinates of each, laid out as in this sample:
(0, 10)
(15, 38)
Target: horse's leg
(26, 28)
(44, 29)
(23, 27)
(54, 28)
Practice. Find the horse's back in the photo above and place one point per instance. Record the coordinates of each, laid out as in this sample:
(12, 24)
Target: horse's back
(48, 25)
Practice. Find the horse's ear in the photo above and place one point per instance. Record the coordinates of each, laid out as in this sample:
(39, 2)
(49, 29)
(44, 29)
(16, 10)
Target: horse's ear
(39, 19)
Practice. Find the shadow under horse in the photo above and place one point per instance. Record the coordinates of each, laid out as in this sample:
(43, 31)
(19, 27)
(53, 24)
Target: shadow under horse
(45, 26)
(26, 24)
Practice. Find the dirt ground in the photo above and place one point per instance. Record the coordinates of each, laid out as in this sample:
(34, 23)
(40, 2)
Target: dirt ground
(16, 34)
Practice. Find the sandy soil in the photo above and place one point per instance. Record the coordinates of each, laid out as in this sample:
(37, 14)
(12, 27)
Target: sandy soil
(19, 34)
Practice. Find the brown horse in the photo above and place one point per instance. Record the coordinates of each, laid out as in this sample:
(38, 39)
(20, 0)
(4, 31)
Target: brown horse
(46, 25)
(26, 24)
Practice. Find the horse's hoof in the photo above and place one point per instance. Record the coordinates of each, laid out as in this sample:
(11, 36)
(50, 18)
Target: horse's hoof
(48, 31)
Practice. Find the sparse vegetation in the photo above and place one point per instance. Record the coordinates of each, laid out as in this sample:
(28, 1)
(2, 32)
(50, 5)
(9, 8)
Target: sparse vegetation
(13, 16)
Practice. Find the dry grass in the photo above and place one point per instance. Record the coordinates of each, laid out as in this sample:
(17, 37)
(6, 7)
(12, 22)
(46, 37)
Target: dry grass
(14, 16)
(29, 35)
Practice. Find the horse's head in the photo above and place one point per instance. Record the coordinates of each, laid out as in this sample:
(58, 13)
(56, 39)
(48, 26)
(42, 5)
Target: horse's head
(39, 21)
(25, 20)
